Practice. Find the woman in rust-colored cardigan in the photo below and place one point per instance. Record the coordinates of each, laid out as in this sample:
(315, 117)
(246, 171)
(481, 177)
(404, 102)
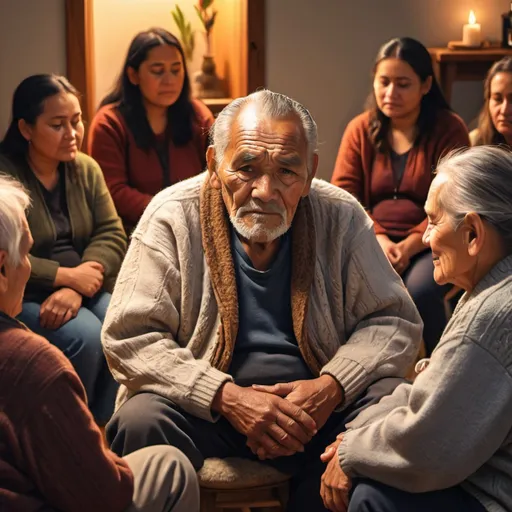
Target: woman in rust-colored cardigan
(149, 133)
(386, 160)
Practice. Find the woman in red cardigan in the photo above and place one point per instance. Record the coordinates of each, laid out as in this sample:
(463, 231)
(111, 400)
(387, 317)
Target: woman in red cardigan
(149, 133)
(386, 160)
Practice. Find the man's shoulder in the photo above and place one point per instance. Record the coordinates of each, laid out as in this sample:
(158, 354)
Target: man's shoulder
(336, 211)
(325, 195)
(181, 192)
(174, 203)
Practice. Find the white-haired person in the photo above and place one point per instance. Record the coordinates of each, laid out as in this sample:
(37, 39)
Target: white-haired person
(266, 315)
(51, 455)
(444, 442)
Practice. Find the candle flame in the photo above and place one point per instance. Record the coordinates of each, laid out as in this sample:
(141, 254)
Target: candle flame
(472, 18)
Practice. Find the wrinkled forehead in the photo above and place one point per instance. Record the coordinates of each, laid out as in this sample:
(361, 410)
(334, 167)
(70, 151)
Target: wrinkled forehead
(252, 129)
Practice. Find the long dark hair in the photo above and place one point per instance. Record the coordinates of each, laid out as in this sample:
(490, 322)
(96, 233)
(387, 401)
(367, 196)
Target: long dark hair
(128, 98)
(416, 55)
(28, 104)
(487, 133)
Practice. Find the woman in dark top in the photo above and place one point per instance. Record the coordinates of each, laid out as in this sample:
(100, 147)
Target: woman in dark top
(495, 119)
(149, 133)
(386, 158)
(79, 241)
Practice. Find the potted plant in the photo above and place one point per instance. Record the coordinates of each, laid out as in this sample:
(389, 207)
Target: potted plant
(207, 82)
(187, 35)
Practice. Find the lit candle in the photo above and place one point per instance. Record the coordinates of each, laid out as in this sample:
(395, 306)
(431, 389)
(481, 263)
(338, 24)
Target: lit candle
(471, 33)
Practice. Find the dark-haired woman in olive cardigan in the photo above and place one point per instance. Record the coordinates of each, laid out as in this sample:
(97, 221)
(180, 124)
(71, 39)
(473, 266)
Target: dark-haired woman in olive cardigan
(79, 241)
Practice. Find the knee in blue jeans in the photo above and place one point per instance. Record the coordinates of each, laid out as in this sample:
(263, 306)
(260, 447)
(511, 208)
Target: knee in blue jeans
(366, 497)
(83, 340)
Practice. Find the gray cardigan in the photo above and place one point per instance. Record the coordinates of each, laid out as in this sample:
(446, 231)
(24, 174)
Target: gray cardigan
(454, 424)
(173, 317)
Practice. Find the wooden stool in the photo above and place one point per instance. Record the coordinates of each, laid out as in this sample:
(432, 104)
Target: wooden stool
(242, 484)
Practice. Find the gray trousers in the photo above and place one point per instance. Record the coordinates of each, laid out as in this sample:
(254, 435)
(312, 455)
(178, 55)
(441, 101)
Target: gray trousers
(147, 419)
(164, 481)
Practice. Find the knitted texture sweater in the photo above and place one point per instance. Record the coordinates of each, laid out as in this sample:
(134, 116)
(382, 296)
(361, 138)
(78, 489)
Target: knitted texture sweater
(454, 424)
(173, 318)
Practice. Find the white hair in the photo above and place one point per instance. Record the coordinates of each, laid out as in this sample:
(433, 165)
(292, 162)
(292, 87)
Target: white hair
(14, 201)
(273, 105)
(257, 231)
(478, 180)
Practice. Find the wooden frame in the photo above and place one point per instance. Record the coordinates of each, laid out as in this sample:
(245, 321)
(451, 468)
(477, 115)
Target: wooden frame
(79, 52)
(256, 62)
(248, 59)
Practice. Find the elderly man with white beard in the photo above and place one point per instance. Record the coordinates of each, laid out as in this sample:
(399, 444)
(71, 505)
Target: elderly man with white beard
(255, 313)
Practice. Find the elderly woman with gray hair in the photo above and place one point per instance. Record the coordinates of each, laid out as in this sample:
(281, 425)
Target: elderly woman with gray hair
(51, 452)
(444, 442)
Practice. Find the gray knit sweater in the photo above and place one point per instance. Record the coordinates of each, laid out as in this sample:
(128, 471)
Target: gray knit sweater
(173, 317)
(454, 424)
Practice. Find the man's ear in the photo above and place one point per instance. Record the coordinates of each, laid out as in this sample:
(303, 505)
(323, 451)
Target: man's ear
(474, 233)
(311, 175)
(133, 75)
(212, 168)
(3, 275)
(25, 129)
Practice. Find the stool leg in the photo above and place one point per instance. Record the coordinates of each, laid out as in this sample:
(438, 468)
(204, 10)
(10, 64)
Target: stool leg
(283, 494)
(208, 502)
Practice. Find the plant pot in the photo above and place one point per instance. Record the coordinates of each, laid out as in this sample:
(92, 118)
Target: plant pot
(206, 81)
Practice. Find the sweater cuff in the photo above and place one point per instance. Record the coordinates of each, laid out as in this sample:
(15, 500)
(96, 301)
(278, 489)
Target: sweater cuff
(343, 455)
(202, 393)
(97, 256)
(352, 377)
(44, 272)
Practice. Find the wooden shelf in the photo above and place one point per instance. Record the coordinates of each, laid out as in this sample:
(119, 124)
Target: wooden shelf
(464, 65)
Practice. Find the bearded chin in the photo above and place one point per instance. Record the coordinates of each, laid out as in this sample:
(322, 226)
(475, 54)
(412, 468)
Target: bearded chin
(257, 232)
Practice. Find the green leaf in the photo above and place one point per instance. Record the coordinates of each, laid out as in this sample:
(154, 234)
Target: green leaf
(181, 15)
(187, 35)
(179, 18)
(209, 24)
(177, 21)
(206, 4)
(200, 15)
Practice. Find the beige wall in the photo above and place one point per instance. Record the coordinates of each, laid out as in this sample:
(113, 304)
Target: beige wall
(318, 51)
(32, 40)
(321, 52)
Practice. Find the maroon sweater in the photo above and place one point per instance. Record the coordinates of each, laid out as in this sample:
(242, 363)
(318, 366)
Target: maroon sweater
(51, 452)
(134, 175)
(368, 174)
